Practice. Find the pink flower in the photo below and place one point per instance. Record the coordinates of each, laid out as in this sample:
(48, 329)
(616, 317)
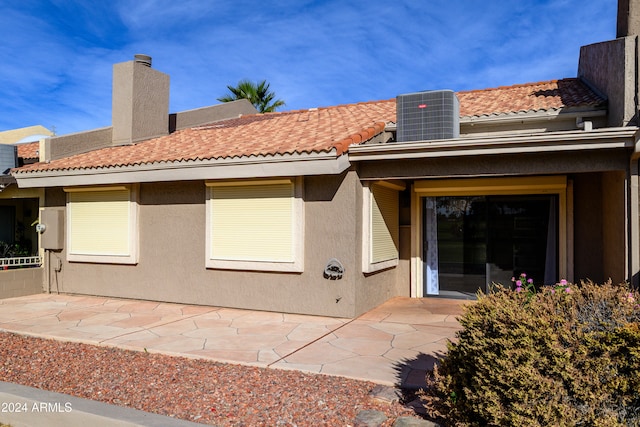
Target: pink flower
(523, 275)
(530, 281)
(519, 289)
(563, 282)
(568, 290)
(518, 283)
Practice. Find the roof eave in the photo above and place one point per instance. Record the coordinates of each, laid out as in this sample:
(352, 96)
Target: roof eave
(598, 139)
(325, 163)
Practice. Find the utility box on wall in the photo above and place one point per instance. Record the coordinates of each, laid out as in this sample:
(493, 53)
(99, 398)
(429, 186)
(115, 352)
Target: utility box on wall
(52, 237)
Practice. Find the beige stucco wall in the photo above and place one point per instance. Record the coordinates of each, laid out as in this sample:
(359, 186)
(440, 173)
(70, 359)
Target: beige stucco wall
(609, 67)
(587, 221)
(171, 264)
(613, 225)
(20, 282)
(75, 143)
(599, 226)
(497, 165)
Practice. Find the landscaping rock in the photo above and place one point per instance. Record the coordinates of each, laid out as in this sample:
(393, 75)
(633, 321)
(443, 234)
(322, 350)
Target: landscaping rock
(370, 418)
(385, 394)
(413, 422)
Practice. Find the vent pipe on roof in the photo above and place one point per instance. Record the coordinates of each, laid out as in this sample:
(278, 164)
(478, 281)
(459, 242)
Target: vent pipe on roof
(142, 59)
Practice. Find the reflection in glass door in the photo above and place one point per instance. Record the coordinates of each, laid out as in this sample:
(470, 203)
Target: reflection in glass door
(471, 242)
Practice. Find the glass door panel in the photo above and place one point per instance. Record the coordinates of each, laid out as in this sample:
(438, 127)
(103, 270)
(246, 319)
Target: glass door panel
(475, 241)
(461, 242)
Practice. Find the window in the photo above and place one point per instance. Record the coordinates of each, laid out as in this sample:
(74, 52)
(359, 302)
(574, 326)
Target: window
(255, 225)
(382, 229)
(102, 224)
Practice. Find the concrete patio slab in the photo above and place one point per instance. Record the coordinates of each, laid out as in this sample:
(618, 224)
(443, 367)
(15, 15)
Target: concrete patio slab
(393, 344)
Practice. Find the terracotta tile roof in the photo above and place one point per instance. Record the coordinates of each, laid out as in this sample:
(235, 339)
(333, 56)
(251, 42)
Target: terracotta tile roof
(550, 95)
(305, 131)
(314, 130)
(28, 150)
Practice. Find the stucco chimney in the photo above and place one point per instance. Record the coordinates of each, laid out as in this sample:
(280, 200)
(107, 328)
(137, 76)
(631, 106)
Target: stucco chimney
(611, 67)
(140, 101)
(628, 18)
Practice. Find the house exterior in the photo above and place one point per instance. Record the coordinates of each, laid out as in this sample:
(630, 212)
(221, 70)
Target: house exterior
(331, 211)
(24, 135)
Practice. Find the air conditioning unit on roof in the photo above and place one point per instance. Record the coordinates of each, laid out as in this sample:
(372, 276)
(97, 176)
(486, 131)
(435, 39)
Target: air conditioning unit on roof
(425, 116)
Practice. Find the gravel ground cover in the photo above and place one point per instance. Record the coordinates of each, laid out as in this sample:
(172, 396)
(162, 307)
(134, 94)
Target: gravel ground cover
(192, 389)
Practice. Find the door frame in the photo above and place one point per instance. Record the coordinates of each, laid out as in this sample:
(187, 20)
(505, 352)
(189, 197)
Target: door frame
(556, 184)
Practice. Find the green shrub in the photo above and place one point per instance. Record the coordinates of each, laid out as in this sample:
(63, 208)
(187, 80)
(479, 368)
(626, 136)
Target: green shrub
(11, 250)
(564, 356)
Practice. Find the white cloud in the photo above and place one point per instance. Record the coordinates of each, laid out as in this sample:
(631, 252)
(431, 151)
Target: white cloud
(59, 54)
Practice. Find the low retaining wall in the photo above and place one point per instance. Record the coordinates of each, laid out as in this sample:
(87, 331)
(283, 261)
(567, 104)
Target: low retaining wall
(20, 282)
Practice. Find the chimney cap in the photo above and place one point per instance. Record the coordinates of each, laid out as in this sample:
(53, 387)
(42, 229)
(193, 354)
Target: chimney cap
(142, 59)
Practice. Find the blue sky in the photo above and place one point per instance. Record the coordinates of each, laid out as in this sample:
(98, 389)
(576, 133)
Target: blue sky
(57, 55)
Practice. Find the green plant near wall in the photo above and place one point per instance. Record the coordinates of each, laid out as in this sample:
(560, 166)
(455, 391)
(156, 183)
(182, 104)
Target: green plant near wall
(12, 250)
(566, 355)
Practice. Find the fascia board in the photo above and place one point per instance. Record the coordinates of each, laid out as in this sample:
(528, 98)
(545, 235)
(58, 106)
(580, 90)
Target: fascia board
(277, 166)
(610, 138)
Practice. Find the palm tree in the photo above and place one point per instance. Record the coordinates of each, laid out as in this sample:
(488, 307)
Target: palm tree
(257, 93)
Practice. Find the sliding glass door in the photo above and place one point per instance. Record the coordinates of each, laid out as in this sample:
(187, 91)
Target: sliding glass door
(471, 242)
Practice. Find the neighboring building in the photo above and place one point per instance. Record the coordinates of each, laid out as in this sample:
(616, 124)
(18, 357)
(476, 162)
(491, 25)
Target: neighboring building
(19, 208)
(334, 210)
(26, 134)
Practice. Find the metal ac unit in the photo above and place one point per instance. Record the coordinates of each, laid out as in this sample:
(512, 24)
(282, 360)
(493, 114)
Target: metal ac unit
(8, 158)
(425, 116)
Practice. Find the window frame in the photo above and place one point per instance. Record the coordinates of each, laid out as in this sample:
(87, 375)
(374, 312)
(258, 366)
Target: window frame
(296, 265)
(132, 231)
(514, 185)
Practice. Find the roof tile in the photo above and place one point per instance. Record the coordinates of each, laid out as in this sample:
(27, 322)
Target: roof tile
(316, 130)
(550, 95)
(28, 150)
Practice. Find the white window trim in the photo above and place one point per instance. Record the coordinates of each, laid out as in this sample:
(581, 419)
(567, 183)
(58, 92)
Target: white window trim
(296, 266)
(367, 228)
(132, 258)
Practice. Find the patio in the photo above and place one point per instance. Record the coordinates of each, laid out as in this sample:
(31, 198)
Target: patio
(393, 344)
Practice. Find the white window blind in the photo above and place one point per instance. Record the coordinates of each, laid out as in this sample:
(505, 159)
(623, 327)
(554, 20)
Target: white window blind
(385, 228)
(100, 225)
(252, 222)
